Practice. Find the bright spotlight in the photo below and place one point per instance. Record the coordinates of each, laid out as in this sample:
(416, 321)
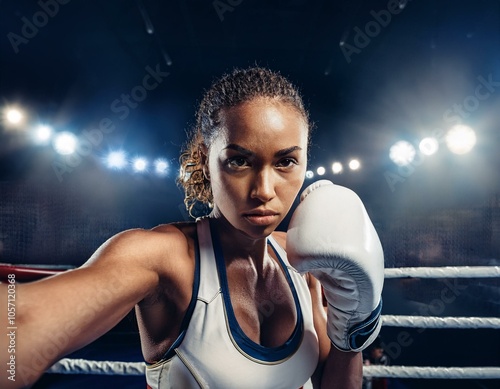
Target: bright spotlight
(116, 160)
(402, 153)
(321, 170)
(43, 133)
(161, 167)
(354, 164)
(428, 146)
(65, 143)
(337, 168)
(309, 174)
(460, 139)
(140, 164)
(14, 116)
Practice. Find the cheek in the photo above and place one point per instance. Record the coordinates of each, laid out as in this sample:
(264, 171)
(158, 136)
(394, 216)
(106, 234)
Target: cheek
(224, 189)
(291, 186)
(299, 176)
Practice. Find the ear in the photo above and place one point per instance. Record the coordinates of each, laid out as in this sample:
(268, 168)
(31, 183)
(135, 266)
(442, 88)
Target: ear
(203, 151)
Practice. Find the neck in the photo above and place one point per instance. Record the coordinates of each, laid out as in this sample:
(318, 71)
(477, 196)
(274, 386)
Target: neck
(237, 246)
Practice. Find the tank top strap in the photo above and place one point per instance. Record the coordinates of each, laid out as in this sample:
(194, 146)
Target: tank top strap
(281, 252)
(209, 277)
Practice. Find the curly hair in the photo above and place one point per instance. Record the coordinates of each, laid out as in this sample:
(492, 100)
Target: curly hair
(242, 85)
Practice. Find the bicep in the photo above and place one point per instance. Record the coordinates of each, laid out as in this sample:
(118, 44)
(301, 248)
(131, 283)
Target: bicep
(67, 311)
(83, 303)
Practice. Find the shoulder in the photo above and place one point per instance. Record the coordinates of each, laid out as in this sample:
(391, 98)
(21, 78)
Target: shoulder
(313, 283)
(280, 237)
(158, 249)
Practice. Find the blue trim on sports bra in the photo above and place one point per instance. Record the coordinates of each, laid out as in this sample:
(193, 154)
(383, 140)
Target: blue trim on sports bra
(255, 350)
(189, 313)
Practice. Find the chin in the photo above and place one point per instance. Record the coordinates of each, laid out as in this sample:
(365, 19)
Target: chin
(258, 232)
(249, 230)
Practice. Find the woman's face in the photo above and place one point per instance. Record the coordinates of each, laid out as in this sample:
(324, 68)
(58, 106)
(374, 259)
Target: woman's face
(257, 163)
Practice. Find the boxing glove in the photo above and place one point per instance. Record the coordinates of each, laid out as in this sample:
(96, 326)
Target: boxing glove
(331, 236)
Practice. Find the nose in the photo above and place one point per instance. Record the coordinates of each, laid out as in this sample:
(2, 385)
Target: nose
(263, 185)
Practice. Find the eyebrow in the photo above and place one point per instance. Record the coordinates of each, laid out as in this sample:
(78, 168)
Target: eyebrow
(249, 153)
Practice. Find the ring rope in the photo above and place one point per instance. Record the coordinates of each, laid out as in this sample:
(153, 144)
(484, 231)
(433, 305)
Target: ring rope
(84, 366)
(27, 273)
(431, 372)
(443, 272)
(440, 322)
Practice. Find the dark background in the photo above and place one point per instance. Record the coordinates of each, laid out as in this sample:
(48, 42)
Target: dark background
(401, 85)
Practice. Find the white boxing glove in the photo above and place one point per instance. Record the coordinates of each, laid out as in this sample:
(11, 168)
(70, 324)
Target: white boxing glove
(331, 236)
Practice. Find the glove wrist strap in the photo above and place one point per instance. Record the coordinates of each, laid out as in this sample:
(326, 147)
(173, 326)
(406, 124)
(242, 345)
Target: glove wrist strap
(359, 336)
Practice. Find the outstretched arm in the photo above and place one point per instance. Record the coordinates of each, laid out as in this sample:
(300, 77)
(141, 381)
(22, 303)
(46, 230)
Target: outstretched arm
(60, 314)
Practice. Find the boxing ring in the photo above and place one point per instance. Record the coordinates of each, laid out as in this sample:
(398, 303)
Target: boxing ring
(83, 366)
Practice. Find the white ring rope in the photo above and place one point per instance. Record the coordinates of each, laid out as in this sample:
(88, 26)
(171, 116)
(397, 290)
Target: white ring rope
(431, 372)
(440, 322)
(83, 366)
(443, 272)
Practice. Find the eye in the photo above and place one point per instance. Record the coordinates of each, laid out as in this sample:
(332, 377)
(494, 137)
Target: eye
(237, 162)
(287, 162)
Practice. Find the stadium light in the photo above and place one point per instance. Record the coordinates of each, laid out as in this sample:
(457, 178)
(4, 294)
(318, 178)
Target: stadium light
(116, 160)
(42, 133)
(428, 146)
(161, 167)
(140, 164)
(402, 153)
(337, 168)
(460, 139)
(65, 143)
(354, 164)
(14, 115)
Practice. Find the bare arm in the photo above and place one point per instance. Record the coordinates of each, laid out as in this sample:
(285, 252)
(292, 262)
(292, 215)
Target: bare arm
(343, 370)
(63, 313)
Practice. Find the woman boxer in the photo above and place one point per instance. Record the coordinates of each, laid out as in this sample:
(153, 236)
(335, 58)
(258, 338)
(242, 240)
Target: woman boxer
(217, 303)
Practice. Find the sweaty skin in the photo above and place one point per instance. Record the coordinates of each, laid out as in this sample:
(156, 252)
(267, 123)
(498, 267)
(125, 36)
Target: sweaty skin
(256, 164)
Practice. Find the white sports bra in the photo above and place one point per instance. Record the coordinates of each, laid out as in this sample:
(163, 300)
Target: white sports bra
(212, 350)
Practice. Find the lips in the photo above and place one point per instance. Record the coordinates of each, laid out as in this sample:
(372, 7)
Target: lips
(261, 217)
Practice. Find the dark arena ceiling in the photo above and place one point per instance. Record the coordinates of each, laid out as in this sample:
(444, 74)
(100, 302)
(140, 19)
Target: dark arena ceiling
(128, 75)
